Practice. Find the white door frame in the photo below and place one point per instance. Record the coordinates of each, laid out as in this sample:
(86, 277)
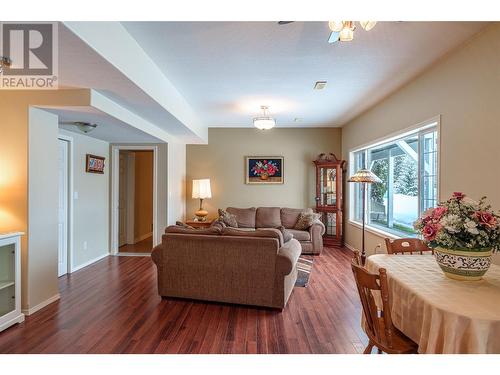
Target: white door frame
(70, 141)
(115, 178)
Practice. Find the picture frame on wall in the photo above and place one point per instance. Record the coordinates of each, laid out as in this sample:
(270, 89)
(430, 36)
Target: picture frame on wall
(94, 164)
(262, 170)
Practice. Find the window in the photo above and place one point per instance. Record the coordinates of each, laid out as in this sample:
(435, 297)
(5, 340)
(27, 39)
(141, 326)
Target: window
(408, 168)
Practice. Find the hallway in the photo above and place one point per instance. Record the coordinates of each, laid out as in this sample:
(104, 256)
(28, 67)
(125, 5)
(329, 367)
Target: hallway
(144, 246)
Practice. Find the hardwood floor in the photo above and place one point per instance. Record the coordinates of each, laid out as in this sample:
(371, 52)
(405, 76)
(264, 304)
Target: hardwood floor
(112, 306)
(144, 246)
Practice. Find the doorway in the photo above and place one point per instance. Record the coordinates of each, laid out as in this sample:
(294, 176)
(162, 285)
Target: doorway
(134, 197)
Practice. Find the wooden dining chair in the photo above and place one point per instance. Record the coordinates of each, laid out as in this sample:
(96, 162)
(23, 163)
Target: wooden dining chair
(378, 323)
(406, 245)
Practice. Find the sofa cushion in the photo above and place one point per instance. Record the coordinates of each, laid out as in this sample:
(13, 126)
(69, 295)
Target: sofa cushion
(267, 233)
(300, 235)
(228, 218)
(306, 220)
(244, 216)
(182, 230)
(289, 216)
(268, 217)
(287, 235)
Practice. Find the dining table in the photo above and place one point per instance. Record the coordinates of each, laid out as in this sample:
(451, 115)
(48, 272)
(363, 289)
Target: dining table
(440, 314)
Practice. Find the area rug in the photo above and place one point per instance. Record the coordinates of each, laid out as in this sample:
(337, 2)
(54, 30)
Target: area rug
(304, 266)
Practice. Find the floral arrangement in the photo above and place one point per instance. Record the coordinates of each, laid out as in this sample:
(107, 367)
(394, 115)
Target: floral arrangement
(265, 167)
(461, 223)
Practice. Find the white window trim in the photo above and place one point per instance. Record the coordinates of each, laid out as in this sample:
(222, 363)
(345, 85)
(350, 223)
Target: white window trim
(421, 126)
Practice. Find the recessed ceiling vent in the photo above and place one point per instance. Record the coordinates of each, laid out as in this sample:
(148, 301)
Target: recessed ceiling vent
(320, 85)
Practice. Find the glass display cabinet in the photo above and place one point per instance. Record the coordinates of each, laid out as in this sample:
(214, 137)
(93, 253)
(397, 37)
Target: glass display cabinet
(329, 183)
(10, 280)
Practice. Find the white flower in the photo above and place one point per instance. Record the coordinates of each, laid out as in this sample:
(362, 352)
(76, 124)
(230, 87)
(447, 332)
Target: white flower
(471, 226)
(451, 223)
(471, 202)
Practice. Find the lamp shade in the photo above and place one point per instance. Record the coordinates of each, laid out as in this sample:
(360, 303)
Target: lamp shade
(364, 175)
(264, 123)
(201, 188)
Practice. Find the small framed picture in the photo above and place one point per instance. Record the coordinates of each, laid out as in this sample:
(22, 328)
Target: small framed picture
(94, 164)
(264, 170)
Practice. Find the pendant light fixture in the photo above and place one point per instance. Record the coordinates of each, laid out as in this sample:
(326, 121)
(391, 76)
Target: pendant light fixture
(343, 31)
(264, 122)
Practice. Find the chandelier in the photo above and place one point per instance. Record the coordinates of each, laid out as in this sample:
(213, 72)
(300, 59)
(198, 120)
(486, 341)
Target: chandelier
(265, 121)
(344, 30)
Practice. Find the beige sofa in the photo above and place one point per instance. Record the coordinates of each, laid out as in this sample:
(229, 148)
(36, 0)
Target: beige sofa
(227, 265)
(311, 239)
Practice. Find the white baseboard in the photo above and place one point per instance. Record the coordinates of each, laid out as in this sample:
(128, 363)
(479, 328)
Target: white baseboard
(41, 305)
(352, 248)
(143, 237)
(88, 263)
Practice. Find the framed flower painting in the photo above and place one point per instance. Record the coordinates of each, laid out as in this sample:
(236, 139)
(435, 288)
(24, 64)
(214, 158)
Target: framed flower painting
(264, 170)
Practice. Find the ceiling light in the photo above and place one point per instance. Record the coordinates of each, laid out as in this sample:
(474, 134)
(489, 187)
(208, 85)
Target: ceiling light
(335, 26)
(346, 35)
(367, 25)
(320, 85)
(85, 127)
(346, 32)
(264, 122)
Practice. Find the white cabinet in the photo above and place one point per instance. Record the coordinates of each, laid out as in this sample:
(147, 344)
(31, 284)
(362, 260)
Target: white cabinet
(10, 280)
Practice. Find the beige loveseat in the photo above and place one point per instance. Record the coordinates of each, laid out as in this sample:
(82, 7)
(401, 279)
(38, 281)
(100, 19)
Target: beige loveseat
(311, 239)
(227, 265)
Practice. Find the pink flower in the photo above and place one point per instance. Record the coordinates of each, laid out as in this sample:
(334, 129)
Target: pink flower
(438, 213)
(458, 195)
(430, 231)
(486, 219)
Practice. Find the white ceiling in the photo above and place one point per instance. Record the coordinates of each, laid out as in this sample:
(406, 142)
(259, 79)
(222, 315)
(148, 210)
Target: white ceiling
(226, 70)
(80, 66)
(108, 128)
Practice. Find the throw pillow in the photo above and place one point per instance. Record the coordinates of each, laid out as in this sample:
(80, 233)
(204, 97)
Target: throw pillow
(228, 219)
(287, 236)
(305, 220)
(184, 225)
(219, 224)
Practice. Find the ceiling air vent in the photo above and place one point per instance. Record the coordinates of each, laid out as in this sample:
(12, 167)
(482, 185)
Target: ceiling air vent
(320, 85)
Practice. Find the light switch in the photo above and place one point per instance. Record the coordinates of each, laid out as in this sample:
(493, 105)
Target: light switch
(75, 195)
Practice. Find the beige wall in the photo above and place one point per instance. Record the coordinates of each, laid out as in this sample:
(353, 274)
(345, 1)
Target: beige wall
(14, 107)
(91, 209)
(143, 210)
(223, 161)
(464, 89)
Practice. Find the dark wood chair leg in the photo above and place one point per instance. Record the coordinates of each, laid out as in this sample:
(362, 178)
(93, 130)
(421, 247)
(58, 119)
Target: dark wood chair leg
(379, 351)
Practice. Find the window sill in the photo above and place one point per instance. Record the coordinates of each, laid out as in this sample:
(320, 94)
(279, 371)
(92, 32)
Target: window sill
(375, 231)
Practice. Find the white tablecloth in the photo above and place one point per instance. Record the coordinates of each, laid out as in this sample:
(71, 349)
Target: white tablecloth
(440, 314)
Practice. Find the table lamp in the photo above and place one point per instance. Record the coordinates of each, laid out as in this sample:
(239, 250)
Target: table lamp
(201, 190)
(364, 176)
